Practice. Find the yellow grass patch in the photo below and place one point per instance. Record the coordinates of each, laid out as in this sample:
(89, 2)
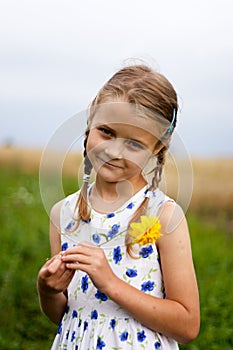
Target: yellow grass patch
(29, 160)
(212, 181)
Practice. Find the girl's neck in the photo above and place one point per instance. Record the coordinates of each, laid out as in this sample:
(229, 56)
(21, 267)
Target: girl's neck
(111, 196)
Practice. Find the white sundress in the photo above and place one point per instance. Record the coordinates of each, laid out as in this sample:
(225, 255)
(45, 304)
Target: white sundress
(92, 321)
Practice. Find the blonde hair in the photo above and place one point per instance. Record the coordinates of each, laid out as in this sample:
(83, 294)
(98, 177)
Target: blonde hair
(141, 86)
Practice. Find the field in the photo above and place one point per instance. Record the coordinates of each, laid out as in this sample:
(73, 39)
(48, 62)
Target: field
(24, 248)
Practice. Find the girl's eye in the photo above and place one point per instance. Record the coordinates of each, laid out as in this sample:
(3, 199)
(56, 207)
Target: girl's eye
(135, 145)
(105, 131)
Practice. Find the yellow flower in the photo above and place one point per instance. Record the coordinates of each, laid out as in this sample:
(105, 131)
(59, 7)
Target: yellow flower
(147, 231)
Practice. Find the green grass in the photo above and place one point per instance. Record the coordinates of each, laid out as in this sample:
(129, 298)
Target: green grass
(25, 246)
(212, 240)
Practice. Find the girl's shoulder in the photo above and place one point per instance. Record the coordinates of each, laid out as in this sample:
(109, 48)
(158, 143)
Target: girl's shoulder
(166, 208)
(157, 200)
(64, 206)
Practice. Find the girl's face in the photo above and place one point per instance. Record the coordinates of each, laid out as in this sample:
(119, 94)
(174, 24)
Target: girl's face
(119, 143)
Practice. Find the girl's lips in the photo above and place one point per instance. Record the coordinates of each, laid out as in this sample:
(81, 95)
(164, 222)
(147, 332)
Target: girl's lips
(110, 164)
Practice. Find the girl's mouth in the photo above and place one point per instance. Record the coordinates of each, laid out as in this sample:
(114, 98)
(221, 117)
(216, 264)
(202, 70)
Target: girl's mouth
(110, 164)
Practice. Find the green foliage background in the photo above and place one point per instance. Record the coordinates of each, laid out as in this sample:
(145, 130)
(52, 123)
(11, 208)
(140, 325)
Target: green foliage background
(24, 246)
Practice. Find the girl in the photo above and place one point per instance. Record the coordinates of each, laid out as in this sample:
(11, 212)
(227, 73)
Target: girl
(121, 275)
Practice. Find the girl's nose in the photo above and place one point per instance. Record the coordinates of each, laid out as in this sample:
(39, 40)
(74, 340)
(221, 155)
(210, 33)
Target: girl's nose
(114, 148)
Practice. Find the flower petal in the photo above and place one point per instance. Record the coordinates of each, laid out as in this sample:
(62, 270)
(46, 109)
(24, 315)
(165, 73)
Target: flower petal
(147, 231)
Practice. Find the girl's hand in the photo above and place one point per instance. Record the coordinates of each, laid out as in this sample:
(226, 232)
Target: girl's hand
(92, 260)
(54, 277)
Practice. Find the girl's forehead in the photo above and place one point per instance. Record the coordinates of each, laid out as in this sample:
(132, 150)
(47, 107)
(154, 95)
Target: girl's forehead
(127, 114)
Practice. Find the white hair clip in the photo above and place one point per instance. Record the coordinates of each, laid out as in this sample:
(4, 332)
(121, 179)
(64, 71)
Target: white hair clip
(150, 194)
(86, 177)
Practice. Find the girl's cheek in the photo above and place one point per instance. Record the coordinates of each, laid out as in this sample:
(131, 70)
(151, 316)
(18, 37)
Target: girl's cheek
(139, 160)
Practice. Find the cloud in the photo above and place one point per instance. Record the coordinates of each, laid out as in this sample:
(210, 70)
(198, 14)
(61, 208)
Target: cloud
(55, 55)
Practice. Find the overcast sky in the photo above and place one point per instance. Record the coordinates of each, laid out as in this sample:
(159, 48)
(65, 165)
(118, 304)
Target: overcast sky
(55, 55)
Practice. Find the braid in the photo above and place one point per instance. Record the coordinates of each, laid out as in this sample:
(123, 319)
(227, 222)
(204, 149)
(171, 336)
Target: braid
(159, 168)
(139, 212)
(81, 204)
(144, 205)
(87, 163)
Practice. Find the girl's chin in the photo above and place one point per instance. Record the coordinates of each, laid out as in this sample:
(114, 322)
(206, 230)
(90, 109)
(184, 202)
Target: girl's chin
(109, 178)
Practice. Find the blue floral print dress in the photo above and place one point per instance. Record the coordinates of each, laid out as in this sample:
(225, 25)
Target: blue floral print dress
(92, 321)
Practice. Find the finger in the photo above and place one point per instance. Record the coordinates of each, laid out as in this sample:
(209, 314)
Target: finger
(58, 281)
(77, 258)
(52, 266)
(49, 261)
(57, 285)
(78, 266)
(84, 248)
(66, 277)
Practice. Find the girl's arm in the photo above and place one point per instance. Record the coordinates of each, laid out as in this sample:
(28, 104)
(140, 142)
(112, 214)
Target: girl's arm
(177, 316)
(54, 277)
